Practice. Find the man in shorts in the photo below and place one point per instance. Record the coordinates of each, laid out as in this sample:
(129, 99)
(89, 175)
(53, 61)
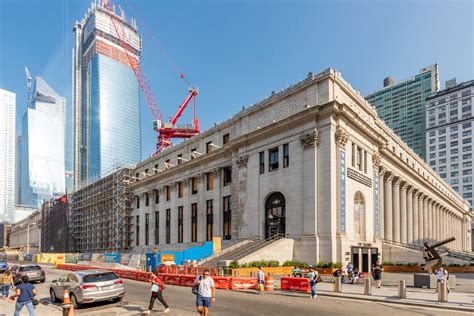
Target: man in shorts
(206, 293)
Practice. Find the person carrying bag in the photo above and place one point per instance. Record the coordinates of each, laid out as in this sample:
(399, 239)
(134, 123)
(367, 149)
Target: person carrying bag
(25, 293)
(157, 287)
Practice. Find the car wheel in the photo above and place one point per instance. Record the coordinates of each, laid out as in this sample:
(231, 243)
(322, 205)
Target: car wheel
(74, 301)
(53, 296)
(117, 300)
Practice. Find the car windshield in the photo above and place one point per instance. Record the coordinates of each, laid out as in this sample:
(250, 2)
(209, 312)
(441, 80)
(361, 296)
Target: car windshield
(30, 268)
(100, 277)
(3, 262)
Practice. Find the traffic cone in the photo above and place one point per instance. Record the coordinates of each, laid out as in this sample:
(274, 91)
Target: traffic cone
(67, 299)
(71, 312)
(67, 306)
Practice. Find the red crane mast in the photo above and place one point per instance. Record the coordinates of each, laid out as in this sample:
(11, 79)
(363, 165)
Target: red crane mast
(166, 130)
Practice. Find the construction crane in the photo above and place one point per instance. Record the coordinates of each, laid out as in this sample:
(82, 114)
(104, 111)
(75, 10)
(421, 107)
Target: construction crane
(166, 130)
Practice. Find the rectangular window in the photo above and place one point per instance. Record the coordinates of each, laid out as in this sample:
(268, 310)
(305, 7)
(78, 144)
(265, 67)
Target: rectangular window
(225, 138)
(179, 159)
(137, 176)
(286, 155)
(168, 193)
(147, 228)
(466, 140)
(194, 185)
(467, 180)
(138, 230)
(147, 200)
(194, 219)
(466, 125)
(454, 173)
(156, 168)
(209, 220)
(454, 151)
(180, 189)
(453, 144)
(210, 181)
(168, 226)
(227, 176)
(157, 196)
(467, 156)
(208, 147)
(262, 162)
(273, 159)
(467, 164)
(146, 173)
(454, 136)
(180, 224)
(466, 133)
(157, 228)
(227, 218)
(466, 148)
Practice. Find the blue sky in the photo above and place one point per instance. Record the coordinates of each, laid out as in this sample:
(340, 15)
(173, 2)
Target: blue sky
(237, 52)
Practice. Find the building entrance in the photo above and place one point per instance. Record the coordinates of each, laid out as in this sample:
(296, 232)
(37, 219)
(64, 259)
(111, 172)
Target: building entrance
(275, 215)
(364, 257)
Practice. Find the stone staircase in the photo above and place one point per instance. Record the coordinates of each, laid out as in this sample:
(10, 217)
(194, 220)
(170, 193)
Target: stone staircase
(238, 250)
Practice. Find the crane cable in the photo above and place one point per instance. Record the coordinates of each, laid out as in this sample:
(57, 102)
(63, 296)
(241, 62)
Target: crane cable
(163, 51)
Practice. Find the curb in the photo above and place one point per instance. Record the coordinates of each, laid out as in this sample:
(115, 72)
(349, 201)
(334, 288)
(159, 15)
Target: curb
(378, 300)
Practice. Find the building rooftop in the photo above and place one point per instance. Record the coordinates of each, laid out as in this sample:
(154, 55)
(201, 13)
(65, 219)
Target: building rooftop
(458, 87)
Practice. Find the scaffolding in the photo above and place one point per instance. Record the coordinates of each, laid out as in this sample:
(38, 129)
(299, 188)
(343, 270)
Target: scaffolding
(100, 214)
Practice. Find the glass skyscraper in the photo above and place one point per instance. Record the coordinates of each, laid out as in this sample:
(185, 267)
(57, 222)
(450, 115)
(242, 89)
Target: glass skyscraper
(7, 155)
(106, 96)
(43, 146)
(402, 106)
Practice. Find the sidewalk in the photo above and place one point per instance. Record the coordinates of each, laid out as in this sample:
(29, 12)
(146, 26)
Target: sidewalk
(7, 309)
(389, 294)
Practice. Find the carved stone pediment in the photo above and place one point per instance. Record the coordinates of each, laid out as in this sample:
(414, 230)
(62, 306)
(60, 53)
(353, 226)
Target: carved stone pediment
(310, 140)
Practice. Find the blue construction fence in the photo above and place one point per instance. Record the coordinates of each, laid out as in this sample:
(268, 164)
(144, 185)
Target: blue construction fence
(154, 260)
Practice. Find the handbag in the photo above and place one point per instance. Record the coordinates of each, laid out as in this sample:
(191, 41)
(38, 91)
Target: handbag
(195, 288)
(155, 288)
(319, 279)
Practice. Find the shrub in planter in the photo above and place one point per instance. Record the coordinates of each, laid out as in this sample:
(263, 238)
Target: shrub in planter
(330, 265)
(337, 265)
(388, 263)
(322, 264)
(234, 264)
(273, 263)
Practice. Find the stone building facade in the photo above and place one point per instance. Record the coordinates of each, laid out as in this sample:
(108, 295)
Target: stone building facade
(312, 162)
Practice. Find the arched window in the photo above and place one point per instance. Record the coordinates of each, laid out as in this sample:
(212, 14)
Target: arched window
(275, 213)
(137, 201)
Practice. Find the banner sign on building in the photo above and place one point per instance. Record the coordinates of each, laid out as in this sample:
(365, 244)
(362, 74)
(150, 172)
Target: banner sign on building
(85, 257)
(342, 172)
(376, 203)
(112, 257)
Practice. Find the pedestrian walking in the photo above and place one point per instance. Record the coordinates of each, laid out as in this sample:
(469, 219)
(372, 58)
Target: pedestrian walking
(377, 269)
(260, 280)
(7, 282)
(296, 272)
(313, 279)
(157, 287)
(25, 293)
(349, 269)
(443, 276)
(206, 293)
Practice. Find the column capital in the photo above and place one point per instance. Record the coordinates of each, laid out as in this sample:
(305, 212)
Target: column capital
(397, 181)
(411, 190)
(388, 176)
(185, 181)
(242, 161)
(201, 177)
(405, 185)
(216, 172)
(341, 136)
(310, 140)
(376, 159)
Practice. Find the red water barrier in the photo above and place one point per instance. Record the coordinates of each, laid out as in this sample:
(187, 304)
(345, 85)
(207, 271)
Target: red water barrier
(222, 282)
(171, 279)
(243, 283)
(187, 280)
(143, 276)
(295, 284)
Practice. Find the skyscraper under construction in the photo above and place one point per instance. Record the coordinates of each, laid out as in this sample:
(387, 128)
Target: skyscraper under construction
(106, 94)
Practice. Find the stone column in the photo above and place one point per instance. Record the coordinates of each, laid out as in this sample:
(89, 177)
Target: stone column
(416, 218)
(420, 218)
(410, 216)
(425, 218)
(435, 221)
(430, 220)
(396, 210)
(388, 226)
(403, 213)
(381, 204)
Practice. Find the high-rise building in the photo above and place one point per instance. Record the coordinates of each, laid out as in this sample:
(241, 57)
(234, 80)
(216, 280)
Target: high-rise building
(449, 129)
(43, 145)
(7, 155)
(402, 106)
(106, 95)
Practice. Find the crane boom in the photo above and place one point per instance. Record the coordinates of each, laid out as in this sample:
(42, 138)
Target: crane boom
(166, 131)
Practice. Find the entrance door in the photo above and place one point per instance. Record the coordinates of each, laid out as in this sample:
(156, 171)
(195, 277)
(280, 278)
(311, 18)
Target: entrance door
(275, 215)
(355, 257)
(365, 259)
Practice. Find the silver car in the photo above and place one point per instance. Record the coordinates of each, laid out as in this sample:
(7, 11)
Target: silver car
(88, 286)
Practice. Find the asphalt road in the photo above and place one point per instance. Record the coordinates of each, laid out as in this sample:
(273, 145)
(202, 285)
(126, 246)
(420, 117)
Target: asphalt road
(181, 302)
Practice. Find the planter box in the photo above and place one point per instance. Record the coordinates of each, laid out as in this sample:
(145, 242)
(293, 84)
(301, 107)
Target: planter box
(402, 269)
(465, 269)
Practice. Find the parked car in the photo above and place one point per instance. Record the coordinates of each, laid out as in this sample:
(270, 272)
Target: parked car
(88, 286)
(34, 272)
(3, 266)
